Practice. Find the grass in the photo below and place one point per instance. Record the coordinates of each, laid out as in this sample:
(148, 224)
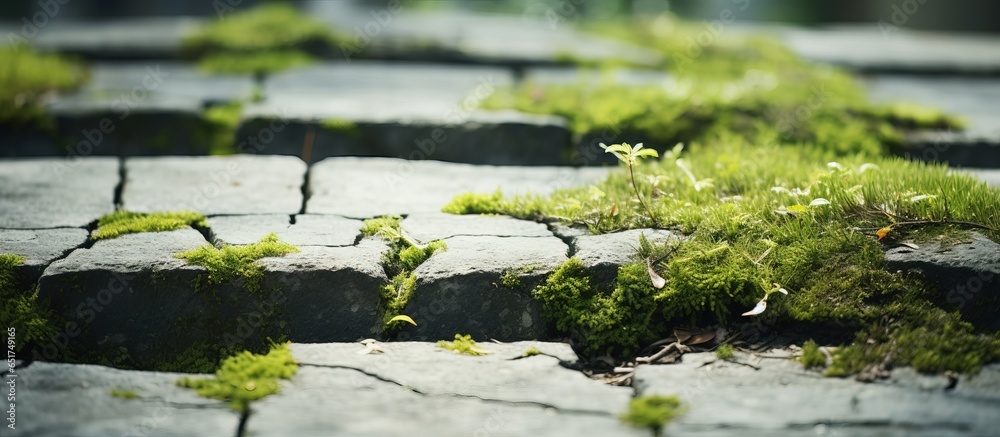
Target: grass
(246, 377)
(462, 344)
(27, 78)
(653, 412)
(231, 262)
(120, 223)
(403, 257)
(260, 40)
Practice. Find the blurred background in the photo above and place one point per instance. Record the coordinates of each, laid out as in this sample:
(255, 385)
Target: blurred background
(952, 15)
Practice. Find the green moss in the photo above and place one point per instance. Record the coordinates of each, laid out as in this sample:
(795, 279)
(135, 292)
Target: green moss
(21, 310)
(232, 262)
(724, 352)
(463, 344)
(345, 127)
(222, 121)
(27, 78)
(246, 377)
(126, 222)
(510, 279)
(124, 394)
(403, 257)
(812, 356)
(653, 411)
(531, 351)
(475, 203)
(263, 39)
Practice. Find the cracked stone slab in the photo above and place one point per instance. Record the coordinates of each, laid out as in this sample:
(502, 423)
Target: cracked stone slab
(369, 187)
(964, 272)
(971, 98)
(75, 400)
(460, 290)
(427, 227)
(40, 247)
(214, 185)
(416, 111)
(308, 230)
(428, 369)
(782, 397)
(49, 193)
(603, 254)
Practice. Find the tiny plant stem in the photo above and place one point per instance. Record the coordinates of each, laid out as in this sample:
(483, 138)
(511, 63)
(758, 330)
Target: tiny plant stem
(635, 187)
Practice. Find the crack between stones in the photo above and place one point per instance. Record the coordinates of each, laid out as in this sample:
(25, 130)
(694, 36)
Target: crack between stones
(881, 424)
(305, 191)
(463, 396)
(120, 188)
(569, 241)
(494, 236)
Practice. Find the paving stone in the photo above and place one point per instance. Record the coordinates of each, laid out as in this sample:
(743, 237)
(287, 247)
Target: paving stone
(415, 111)
(781, 397)
(460, 290)
(604, 254)
(865, 47)
(40, 247)
(540, 380)
(308, 230)
(970, 98)
(369, 187)
(964, 272)
(214, 184)
(50, 193)
(132, 38)
(992, 177)
(75, 400)
(430, 226)
(576, 76)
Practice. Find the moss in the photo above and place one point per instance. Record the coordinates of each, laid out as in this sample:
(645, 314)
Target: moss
(531, 351)
(124, 394)
(26, 79)
(263, 39)
(724, 352)
(232, 262)
(221, 123)
(403, 257)
(463, 344)
(475, 203)
(511, 280)
(246, 377)
(811, 355)
(126, 222)
(653, 411)
(345, 127)
(21, 310)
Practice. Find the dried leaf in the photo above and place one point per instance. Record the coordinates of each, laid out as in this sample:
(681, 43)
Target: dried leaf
(614, 210)
(658, 281)
(371, 348)
(883, 232)
(761, 306)
(403, 318)
(700, 337)
(910, 245)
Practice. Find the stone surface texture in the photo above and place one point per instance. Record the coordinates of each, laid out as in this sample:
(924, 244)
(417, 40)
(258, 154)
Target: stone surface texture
(53, 193)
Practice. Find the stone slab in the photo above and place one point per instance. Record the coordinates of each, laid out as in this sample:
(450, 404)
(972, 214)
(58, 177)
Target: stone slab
(40, 247)
(430, 226)
(604, 254)
(51, 193)
(415, 111)
(460, 290)
(540, 380)
(132, 38)
(369, 187)
(75, 400)
(307, 229)
(726, 398)
(992, 177)
(214, 185)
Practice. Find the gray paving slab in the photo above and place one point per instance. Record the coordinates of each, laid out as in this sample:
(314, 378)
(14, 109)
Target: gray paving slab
(429, 226)
(56, 192)
(603, 254)
(992, 177)
(131, 38)
(308, 229)
(415, 111)
(460, 290)
(75, 400)
(540, 380)
(39, 247)
(867, 47)
(369, 187)
(211, 185)
(159, 79)
(971, 98)
(780, 397)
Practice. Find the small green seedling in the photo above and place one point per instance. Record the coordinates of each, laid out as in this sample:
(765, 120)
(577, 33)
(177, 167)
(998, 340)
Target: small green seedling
(653, 412)
(630, 155)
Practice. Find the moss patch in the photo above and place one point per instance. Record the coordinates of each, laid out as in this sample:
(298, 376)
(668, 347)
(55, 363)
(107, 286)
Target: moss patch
(26, 79)
(531, 351)
(462, 344)
(345, 127)
(222, 121)
(21, 310)
(653, 411)
(232, 262)
(246, 377)
(403, 257)
(124, 394)
(263, 39)
(126, 222)
(724, 352)
(811, 355)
